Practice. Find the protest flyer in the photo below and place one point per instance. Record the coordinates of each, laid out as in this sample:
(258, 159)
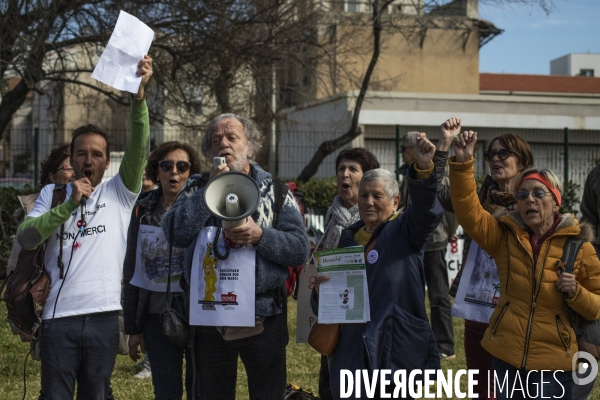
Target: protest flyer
(344, 298)
(479, 288)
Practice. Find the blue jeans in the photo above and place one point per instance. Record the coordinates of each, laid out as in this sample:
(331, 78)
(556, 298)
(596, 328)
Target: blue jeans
(263, 356)
(535, 384)
(166, 360)
(79, 349)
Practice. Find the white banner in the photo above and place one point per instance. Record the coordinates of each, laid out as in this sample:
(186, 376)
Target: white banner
(222, 292)
(454, 259)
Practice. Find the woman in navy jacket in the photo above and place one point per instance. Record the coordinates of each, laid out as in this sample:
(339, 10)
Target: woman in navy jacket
(399, 335)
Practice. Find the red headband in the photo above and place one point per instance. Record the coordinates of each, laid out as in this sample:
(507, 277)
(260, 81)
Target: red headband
(541, 178)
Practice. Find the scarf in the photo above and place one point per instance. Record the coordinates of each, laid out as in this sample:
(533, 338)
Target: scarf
(337, 219)
(493, 199)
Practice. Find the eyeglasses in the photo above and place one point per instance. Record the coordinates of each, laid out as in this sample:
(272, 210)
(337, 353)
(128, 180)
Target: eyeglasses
(502, 154)
(403, 148)
(167, 165)
(537, 194)
(64, 168)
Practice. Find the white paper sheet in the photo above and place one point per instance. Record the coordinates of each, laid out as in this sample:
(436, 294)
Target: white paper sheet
(128, 44)
(479, 288)
(344, 298)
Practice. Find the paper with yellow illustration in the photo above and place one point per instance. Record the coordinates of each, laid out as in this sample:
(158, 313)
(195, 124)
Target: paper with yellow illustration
(222, 292)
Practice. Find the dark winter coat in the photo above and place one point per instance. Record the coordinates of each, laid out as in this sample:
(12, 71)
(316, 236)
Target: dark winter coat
(399, 335)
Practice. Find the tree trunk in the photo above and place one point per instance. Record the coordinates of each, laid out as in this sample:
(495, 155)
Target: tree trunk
(330, 146)
(11, 102)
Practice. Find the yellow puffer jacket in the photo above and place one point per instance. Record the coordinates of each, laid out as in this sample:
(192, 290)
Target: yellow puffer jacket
(530, 326)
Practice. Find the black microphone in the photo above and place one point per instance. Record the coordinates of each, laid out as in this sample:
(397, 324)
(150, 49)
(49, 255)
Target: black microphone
(83, 210)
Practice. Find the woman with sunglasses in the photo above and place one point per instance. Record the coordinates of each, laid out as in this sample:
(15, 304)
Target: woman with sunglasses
(530, 329)
(507, 155)
(145, 270)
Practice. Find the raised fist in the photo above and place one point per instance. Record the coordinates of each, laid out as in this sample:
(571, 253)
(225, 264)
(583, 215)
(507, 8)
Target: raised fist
(451, 129)
(424, 151)
(464, 145)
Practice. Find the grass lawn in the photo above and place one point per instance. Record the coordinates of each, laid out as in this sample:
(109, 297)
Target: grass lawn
(303, 367)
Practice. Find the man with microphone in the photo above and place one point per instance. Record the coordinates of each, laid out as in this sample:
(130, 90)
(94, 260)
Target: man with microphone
(80, 330)
(269, 247)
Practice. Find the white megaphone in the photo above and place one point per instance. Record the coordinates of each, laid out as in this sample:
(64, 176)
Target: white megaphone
(231, 197)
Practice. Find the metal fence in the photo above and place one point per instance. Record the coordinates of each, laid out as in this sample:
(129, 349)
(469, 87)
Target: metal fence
(18, 157)
(548, 145)
(25, 148)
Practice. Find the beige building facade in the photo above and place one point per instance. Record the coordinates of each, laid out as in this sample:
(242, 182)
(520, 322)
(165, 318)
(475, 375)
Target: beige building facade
(423, 49)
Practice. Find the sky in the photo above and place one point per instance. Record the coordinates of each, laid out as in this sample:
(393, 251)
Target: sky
(532, 38)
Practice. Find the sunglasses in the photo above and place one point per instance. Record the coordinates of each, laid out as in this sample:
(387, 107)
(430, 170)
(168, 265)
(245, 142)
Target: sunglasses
(182, 166)
(537, 194)
(64, 168)
(502, 154)
(403, 148)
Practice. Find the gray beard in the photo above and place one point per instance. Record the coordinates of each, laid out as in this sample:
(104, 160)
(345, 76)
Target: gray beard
(237, 165)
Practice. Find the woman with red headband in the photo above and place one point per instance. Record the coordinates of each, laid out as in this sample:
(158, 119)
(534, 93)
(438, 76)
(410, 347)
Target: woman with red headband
(529, 331)
(507, 156)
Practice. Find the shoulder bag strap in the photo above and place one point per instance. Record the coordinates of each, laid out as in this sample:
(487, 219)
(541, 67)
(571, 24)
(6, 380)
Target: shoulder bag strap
(572, 247)
(169, 297)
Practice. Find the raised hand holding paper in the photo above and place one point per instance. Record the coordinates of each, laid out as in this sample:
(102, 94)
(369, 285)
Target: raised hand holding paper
(128, 44)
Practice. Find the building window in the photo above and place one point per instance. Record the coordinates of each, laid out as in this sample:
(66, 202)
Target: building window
(586, 72)
(352, 5)
(193, 98)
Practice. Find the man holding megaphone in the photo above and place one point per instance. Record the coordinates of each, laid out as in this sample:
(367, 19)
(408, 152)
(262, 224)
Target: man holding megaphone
(236, 263)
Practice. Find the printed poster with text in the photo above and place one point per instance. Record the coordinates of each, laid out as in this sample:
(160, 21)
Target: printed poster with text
(152, 261)
(479, 287)
(344, 298)
(222, 292)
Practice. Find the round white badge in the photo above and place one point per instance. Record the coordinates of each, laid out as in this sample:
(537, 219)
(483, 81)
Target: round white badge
(372, 256)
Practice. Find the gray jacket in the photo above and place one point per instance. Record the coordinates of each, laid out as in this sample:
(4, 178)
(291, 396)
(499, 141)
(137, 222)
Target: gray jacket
(281, 246)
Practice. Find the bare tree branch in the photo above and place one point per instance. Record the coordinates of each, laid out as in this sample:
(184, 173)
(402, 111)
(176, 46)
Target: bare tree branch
(330, 146)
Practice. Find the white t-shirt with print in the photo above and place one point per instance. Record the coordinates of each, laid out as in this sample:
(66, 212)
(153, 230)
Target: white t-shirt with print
(93, 280)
